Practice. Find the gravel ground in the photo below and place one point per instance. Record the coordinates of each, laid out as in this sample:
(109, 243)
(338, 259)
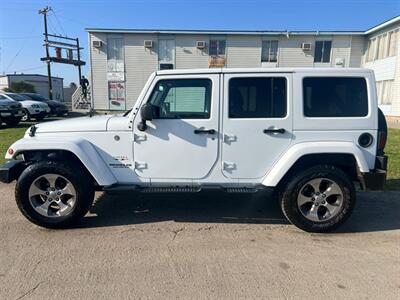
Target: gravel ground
(200, 246)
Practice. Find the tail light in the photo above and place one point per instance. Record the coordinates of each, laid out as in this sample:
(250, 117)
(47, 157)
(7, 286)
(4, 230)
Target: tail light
(382, 138)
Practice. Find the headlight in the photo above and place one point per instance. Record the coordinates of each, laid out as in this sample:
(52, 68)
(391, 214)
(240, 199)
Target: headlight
(35, 106)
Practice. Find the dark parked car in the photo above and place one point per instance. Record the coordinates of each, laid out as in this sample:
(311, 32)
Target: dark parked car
(57, 108)
(10, 111)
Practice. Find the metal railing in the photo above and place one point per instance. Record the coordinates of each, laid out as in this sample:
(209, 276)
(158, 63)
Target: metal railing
(79, 101)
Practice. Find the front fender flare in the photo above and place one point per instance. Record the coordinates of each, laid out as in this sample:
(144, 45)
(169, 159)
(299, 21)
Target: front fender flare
(81, 148)
(289, 158)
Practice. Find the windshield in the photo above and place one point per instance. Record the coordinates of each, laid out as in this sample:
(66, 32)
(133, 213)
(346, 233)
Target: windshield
(36, 97)
(17, 97)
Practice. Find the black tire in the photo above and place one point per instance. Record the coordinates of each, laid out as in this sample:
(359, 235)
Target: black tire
(80, 180)
(292, 189)
(12, 121)
(27, 115)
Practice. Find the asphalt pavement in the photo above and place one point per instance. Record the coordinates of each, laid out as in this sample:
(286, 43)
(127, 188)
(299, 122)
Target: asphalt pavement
(200, 246)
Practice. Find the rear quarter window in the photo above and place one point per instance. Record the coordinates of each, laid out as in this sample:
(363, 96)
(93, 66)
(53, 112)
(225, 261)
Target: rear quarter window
(332, 97)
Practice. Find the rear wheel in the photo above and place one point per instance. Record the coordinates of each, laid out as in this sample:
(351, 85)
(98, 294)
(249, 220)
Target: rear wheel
(39, 118)
(318, 199)
(54, 194)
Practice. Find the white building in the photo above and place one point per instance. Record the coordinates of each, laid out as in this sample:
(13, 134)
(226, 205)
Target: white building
(40, 82)
(122, 59)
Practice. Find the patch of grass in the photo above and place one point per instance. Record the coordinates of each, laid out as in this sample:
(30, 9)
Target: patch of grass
(10, 135)
(393, 151)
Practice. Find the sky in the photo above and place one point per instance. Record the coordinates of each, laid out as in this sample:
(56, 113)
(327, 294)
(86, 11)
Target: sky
(21, 27)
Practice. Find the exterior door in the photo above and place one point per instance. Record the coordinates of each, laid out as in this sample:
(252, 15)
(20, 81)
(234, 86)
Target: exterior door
(182, 141)
(257, 123)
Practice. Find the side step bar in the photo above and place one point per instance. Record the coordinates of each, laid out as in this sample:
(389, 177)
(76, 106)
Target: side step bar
(117, 189)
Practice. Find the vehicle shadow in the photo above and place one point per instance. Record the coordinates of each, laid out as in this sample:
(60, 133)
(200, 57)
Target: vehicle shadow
(375, 211)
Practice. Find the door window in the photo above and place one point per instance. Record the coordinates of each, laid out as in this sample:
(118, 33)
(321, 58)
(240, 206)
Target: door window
(258, 97)
(182, 99)
(335, 97)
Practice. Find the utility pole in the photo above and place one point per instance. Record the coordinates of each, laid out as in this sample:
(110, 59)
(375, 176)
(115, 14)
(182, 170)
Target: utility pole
(79, 58)
(44, 12)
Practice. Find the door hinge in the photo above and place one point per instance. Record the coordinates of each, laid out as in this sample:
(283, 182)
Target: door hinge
(140, 165)
(228, 138)
(229, 165)
(139, 137)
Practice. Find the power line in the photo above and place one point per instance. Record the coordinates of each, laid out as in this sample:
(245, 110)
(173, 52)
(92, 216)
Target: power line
(59, 23)
(19, 51)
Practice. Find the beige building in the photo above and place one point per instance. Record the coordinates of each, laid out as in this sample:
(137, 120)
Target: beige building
(121, 60)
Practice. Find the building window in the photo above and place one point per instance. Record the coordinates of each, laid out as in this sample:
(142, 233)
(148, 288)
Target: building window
(217, 47)
(166, 54)
(322, 51)
(182, 98)
(385, 92)
(258, 97)
(269, 51)
(382, 46)
(335, 97)
(115, 59)
(393, 42)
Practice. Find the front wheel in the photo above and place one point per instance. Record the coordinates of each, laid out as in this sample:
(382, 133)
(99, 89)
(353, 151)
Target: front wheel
(13, 121)
(318, 199)
(54, 194)
(26, 115)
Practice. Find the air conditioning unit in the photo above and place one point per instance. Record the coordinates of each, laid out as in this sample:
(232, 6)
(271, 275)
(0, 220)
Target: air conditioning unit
(306, 46)
(200, 44)
(148, 44)
(97, 44)
(339, 62)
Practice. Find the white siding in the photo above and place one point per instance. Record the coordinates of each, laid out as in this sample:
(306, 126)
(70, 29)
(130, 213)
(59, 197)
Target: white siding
(98, 65)
(140, 62)
(3, 82)
(291, 54)
(187, 55)
(357, 51)
(243, 51)
(341, 46)
(384, 68)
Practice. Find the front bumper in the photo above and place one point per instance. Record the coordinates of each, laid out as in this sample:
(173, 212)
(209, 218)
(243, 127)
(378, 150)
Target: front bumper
(11, 170)
(11, 113)
(375, 179)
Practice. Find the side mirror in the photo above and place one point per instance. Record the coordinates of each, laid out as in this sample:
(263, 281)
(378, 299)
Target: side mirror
(147, 112)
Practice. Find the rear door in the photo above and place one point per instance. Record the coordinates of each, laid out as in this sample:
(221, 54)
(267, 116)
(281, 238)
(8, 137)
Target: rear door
(257, 122)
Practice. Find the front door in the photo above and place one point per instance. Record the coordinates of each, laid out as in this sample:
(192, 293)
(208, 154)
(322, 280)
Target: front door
(182, 141)
(257, 123)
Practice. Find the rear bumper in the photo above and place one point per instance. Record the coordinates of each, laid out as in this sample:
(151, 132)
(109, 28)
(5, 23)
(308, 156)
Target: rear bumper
(375, 179)
(11, 170)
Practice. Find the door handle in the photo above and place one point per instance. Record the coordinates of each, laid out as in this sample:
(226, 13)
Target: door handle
(275, 130)
(204, 131)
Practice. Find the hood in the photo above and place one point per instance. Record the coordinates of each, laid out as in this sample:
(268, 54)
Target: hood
(54, 103)
(82, 124)
(7, 102)
(27, 103)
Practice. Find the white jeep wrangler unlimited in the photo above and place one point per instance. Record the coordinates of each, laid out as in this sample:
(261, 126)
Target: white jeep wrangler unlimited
(308, 134)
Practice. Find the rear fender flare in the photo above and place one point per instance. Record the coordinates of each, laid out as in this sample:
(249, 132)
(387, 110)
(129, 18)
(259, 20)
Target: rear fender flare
(294, 153)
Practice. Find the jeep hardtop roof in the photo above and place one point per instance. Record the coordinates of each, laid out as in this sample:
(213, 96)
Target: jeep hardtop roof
(264, 70)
